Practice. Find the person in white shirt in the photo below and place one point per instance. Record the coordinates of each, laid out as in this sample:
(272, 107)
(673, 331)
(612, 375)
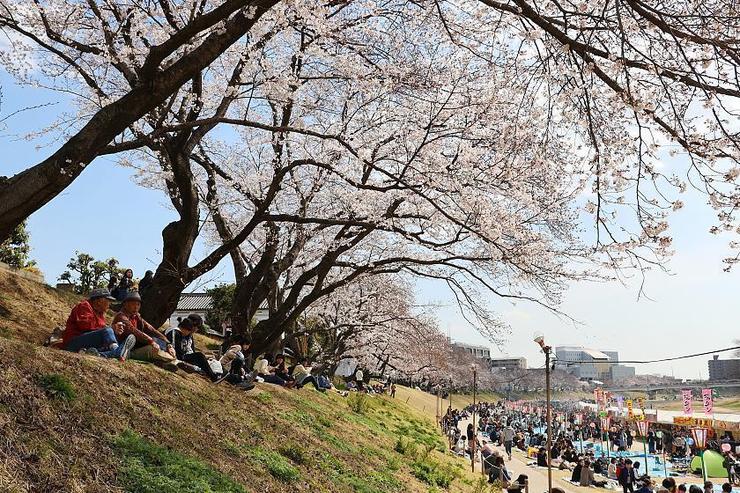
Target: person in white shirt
(302, 374)
(266, 372)
(359, 378)
(611, 471)
(508, 436)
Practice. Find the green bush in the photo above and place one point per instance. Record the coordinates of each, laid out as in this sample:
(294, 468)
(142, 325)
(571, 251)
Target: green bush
(482, 486)
(406, 446)
(276, 465)
(57, 386)
(358, 402)
(433, 473)
(150, 468)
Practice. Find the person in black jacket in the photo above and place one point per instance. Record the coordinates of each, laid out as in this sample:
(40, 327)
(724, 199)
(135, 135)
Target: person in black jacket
(627, 477)
(181, 337)
(146, 282)
(542, 457)
(576, 476)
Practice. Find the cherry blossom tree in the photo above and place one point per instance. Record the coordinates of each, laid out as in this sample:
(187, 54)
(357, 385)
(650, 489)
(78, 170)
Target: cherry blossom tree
(118, 60)
(406, 167)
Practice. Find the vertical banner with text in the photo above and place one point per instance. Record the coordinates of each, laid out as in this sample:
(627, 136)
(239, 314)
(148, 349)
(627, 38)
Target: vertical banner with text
(706, 397)
(686, 397)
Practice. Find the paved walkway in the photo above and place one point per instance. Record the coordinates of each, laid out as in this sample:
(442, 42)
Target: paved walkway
(537, 476)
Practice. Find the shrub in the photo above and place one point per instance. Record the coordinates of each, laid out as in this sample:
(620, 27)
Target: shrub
(433, 473)
(482, 486)
(151, 468)
(405, 446)
(57, 386)
(276, 465)
(358, 402)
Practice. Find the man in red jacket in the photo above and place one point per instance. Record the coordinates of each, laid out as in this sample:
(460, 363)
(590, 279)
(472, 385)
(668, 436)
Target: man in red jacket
(88, 330)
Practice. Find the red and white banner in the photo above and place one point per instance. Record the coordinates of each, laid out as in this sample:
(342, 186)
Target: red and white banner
(642, 427)
(686, 396)
(706, 397)
(605, 422)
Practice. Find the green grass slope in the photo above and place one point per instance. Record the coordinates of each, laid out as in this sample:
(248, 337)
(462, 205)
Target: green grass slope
(72, 422)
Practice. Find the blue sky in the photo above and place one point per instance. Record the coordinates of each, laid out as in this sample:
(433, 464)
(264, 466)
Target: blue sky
(691, 309)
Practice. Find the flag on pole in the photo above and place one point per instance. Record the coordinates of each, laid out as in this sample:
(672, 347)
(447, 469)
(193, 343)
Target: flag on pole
(630, 412)
(706, 396)
(686, 396)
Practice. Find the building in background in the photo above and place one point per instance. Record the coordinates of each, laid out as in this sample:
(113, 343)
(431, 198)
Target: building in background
(509, 363)
(724, 369)
(484, 353)
(591, 364)
(480, 352)
(200, 303)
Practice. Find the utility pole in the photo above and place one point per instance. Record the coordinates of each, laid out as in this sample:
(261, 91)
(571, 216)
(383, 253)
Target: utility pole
(546, 349)
(475, 430)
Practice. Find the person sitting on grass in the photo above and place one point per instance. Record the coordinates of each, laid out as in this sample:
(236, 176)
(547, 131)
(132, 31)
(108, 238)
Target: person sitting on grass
(87, 330)
(302, 375)
(281, 370)
(181, 337)
(234, 363)
(266, 372)
(150, 343)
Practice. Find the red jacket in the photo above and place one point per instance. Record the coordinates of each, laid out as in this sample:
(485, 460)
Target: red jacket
(82, 319)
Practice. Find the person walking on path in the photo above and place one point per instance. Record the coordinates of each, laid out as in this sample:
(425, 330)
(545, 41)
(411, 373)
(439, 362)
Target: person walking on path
(508, 436)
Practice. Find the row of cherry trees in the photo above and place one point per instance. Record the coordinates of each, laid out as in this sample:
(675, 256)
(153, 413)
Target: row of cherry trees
(338, 150)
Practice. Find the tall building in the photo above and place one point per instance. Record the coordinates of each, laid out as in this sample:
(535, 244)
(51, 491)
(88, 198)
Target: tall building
(724, 369)
(591, 364)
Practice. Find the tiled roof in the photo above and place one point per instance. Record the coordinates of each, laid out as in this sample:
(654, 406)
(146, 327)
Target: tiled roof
(194, 301)
(200, 302)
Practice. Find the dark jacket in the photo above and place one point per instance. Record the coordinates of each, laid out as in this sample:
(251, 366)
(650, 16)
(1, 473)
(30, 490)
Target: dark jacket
(183, 344)
(626, 476)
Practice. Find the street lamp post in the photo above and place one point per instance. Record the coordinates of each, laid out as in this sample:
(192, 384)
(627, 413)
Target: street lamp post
(700, 439)
(450, 390)
(546, 349)
(437, 409)
(475, 430)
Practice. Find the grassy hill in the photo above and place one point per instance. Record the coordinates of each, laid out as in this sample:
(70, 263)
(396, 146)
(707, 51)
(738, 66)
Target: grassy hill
(72, 422)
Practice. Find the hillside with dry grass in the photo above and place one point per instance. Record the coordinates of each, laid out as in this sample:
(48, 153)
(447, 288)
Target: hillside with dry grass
(71, 422)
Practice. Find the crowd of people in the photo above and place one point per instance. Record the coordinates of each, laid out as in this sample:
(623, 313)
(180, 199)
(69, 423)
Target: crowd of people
(572, 448)
(129, 336)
